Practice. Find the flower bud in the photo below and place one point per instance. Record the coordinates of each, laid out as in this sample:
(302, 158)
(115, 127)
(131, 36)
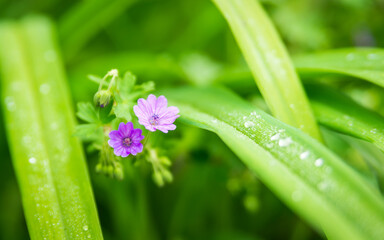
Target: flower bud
(102, 98)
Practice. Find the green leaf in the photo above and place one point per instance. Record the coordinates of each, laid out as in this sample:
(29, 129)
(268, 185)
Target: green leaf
(87, 112)
(89, 132)
(364, 63)
(269, 63)
(309, 178)
(49, 162)
(342, 114)
(105, 115)
(125, 85)
(123, 110)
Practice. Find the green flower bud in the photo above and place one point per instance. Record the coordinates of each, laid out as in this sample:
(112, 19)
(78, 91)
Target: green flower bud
(102, 98)
(119, 174)
(99, 168)
(158, 178)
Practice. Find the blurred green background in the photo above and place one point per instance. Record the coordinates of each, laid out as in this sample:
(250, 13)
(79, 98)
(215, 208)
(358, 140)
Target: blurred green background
(175, 42)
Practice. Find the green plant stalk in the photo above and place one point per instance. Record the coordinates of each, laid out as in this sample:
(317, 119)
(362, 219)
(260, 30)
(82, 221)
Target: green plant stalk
(49, 162)
(87, 18)
(309, 178)
(269, 63)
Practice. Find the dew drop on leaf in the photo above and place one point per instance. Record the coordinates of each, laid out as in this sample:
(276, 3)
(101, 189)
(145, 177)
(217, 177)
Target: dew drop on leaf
(275, 137)
(304, 155)
(285, 142)
(32, 160)
(249, 124)
(319, 162)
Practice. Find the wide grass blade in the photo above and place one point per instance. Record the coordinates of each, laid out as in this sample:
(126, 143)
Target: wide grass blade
(309, 178)
(49, 162)
(342, 114)
(364, 63)
(270, 63)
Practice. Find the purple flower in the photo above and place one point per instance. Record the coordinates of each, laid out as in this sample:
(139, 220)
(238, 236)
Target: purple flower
(126, 140)
(154, 114)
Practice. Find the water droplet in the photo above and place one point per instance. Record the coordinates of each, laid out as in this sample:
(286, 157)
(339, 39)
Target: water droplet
(319, 162)
(374, 130)
(304, 155)
(297, 196)
(85, 227)
(350, 56)
(275, 137)
(249, 124)
(32, 160)
(10, 104)
(214, 121)
(50, 56)
(45, 88)
(285, 142)
(244, 117)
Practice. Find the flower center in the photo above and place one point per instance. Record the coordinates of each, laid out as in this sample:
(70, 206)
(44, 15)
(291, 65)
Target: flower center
(127, 142)
(154, 120)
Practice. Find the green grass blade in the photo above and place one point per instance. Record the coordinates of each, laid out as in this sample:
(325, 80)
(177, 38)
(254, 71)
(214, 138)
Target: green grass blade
(342, 114)
(49, 162)
(269, 63)
(87, 18)
(364, 63)
(302, 172)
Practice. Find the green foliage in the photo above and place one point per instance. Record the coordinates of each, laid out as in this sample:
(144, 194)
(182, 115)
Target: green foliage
(269, 63)
(364, 63)
(49, 163)
(304, 173)
(206, 193)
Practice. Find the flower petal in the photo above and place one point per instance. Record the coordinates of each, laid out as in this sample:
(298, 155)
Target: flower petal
(166, 128)
(115, 134)
(118, 151)
(125, 153)
(152, 103)
(136, 148)
(115, 143)
(168, 120)
(161, 105)
(136, 135)
(125, 129)
(170, 112)
(139, 112)
(144, 106)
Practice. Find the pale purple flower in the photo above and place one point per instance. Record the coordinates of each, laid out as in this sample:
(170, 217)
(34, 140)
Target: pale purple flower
(126, 140)
(154, 114)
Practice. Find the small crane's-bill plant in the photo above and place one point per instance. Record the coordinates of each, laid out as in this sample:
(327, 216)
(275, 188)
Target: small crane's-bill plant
(113, 129)
(316, 145)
